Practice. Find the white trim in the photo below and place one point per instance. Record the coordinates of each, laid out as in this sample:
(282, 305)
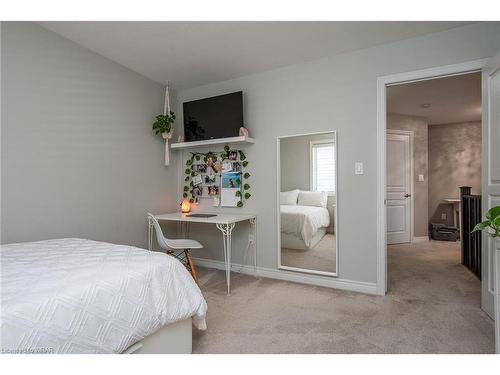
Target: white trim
(211, 142)
(304, 278)
(311, 271)
(420, 239)
(278, 218)
(411, 135)
(382, 83)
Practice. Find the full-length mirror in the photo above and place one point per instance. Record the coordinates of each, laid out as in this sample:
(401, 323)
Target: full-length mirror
(307, 195)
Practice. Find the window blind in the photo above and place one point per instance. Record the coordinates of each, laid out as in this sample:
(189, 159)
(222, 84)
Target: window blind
(323, 167)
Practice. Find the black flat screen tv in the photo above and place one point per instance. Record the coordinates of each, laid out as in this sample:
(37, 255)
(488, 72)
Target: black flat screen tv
(211, 118)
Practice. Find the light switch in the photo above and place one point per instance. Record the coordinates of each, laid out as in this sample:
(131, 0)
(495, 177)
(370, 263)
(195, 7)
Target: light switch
(421, 177)
(358, 167)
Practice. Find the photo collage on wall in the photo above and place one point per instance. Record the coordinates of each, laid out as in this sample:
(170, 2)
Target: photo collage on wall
(218, 178)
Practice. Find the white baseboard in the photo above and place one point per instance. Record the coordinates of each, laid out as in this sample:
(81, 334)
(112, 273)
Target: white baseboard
(420, 239)
(326, 281)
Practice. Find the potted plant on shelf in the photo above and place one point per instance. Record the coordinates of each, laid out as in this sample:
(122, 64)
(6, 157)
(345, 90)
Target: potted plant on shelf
(491, 225)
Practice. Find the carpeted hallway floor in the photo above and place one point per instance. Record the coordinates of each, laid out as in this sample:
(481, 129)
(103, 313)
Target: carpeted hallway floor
(432, 307)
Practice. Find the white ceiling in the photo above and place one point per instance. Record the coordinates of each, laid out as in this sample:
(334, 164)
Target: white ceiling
(191, 54)
(452, 99)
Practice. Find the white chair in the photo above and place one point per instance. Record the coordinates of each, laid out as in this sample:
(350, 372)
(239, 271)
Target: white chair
(180, 248)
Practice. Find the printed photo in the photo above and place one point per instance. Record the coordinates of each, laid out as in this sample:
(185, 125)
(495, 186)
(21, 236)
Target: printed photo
(227, 166)
(210, 178)
(216, 166)
(231, 180)
(230, 185)
(232, 155)
(197, 191)
(213, 190)
(200, 168)
(237, 167)
(197, 180)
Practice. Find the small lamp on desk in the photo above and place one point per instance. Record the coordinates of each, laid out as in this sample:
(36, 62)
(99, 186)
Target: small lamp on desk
(185, 206)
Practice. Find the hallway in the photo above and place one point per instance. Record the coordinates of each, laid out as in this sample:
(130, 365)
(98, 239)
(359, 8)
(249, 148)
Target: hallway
(432, 307)
(431, 271)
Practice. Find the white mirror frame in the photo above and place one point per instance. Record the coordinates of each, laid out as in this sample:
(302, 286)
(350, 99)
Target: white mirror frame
(278, 216)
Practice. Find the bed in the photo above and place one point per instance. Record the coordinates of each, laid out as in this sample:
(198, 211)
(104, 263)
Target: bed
(302, 227)
(81, 296)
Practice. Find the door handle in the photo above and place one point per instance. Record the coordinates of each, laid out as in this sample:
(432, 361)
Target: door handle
(407, 195)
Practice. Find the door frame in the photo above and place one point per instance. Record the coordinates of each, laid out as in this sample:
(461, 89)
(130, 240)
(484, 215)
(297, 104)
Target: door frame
(382, 83)
(411, 135)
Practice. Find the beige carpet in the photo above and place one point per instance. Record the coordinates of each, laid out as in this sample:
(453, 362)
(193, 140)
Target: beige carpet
(432, 307)
(319, 258)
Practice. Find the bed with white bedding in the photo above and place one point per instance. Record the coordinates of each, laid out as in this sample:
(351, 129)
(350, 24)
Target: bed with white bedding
(82, 296)
(302, 227)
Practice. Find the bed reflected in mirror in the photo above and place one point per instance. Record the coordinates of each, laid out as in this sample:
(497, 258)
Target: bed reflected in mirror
(307, 199)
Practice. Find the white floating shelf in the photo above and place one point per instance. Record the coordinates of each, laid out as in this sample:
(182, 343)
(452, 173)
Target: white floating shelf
(211, 142)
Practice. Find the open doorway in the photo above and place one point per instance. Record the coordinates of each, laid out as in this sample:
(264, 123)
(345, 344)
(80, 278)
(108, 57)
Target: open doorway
(433, 153)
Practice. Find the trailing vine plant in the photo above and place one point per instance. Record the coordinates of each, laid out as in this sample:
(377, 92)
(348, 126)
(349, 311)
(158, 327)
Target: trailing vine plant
(213, 160)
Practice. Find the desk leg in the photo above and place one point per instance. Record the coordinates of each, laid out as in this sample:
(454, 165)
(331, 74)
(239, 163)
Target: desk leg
(227, 230)
(253, 222)
(150, 234)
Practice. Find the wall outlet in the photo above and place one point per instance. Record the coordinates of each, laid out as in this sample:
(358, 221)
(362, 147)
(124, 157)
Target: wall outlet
(421, 178)
(443, 216)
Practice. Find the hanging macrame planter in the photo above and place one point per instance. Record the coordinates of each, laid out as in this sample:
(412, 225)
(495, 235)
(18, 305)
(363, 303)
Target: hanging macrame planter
(168, 134)
(164, 124)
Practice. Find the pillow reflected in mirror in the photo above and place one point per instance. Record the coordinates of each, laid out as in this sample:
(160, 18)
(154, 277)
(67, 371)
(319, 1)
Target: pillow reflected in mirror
(289, 198)
(313, 198)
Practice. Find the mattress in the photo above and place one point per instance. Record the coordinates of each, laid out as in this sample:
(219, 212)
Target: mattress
(291, 241)
(303, 221)
(82, 296)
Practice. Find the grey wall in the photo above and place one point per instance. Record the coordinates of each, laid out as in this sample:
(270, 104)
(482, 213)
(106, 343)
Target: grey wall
(418, 126)
(295, 167)
(335, 93)
(454, 161)
(295, 161)
(78, 155)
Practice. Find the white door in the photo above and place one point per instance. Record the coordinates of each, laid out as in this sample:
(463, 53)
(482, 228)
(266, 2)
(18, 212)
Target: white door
(491, 190)
(398, 194)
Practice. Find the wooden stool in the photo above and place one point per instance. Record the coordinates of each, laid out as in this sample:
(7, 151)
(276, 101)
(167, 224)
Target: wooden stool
(185, 257)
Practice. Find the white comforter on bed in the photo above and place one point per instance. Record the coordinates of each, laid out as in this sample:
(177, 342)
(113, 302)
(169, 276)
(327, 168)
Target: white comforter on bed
(303, 221)
(82, 296)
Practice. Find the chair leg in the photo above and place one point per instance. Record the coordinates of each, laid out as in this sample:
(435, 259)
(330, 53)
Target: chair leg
(190, 262)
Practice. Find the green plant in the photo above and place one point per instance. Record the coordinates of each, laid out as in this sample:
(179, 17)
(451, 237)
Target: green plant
(492, 222)
(163, 123)
(189, 173)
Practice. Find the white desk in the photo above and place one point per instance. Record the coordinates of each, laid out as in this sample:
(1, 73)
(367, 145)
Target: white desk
(224, 222)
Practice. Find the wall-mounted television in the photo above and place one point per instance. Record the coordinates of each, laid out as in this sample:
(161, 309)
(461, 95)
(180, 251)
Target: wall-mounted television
(211, 118)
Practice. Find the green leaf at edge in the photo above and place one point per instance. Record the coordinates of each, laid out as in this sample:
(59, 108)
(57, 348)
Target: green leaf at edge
(493, 212)
(481, 226)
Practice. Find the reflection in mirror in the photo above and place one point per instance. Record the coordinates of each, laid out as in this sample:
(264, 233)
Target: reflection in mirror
(307, 203)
